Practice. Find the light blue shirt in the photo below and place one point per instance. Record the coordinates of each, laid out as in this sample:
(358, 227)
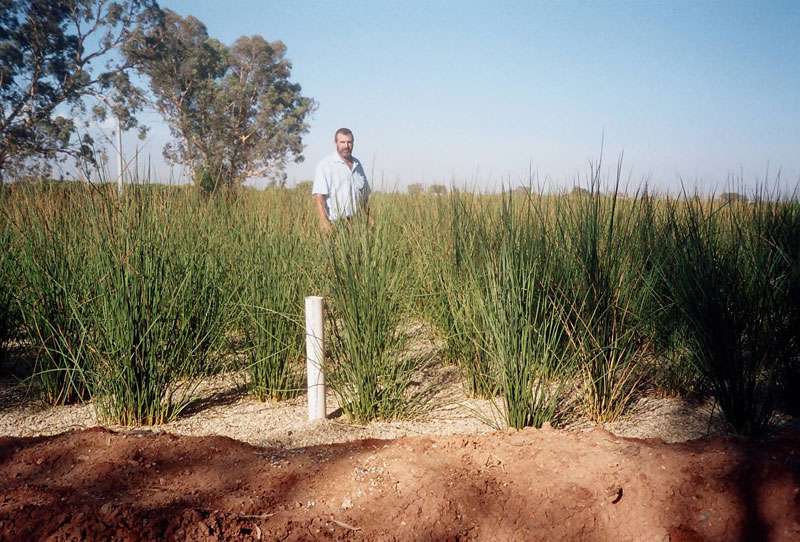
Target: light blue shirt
(345, 189)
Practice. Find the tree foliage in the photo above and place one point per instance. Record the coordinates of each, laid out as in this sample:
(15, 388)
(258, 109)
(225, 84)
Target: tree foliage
(521, 191)
(233, 110)
(55, 55)
(732, 197)
(416, 188)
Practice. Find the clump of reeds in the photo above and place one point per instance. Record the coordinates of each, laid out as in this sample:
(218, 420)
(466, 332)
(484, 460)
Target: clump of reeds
(668, 366)
(365, 282)
(735, 279)
(157, 314)
(525, 339)
(456, 282)
(10, 278)
(603, 295)
(56, 287)
(273, 261)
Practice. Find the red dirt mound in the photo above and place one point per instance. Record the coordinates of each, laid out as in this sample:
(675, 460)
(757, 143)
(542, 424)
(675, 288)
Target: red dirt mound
(527, 485)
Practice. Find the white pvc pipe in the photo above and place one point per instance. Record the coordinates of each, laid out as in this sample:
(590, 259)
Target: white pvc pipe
(315, 355)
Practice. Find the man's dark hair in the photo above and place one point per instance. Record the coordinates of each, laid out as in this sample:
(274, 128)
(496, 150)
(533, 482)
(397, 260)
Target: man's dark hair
(343, 131)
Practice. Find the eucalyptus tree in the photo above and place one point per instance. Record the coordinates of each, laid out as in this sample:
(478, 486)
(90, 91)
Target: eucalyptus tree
(57, 57)
(233, 111)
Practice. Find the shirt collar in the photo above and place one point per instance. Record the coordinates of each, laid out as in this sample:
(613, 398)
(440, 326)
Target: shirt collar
(337, 158)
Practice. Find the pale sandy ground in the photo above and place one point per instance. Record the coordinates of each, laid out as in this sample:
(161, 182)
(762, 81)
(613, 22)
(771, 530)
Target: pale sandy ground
(225, 409)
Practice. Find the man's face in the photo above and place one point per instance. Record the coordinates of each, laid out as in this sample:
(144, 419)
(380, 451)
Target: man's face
(344, 145)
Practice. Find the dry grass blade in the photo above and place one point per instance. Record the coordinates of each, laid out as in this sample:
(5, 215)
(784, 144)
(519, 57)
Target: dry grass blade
(345, 525)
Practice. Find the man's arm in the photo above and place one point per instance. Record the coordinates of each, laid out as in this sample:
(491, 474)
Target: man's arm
(364, 200)
(365, 209)
(322, 213)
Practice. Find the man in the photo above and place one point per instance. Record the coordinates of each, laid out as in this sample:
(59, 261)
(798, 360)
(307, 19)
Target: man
(340, 187)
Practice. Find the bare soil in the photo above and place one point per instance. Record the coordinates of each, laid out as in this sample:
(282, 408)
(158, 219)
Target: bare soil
(98, 484)
(235, 469)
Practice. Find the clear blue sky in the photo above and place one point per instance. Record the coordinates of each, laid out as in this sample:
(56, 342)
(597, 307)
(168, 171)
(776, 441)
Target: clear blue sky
(481, 93)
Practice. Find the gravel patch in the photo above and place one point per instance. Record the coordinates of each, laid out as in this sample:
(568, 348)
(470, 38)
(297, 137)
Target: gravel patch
(223, 408)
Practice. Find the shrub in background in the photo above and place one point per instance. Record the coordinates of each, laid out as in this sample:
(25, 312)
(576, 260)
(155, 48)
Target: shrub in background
(668, 361)
(456, 280)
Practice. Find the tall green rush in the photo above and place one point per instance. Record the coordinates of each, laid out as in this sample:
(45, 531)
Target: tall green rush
(156, 312)
(525, 339)
(365, 282)
(273, 262)
(736, 284)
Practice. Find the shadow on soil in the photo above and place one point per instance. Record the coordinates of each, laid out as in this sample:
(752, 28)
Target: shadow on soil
(101, 485)
(54, 489)
(755, 481)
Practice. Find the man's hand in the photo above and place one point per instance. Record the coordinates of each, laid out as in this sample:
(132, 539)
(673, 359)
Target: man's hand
(322, 212)
(325, 226)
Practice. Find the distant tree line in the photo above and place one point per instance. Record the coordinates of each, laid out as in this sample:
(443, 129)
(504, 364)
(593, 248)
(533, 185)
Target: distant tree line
(732, 197)
(434, 189)
(232, 110)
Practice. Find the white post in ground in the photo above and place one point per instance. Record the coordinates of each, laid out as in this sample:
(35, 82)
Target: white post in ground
(315, 354)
